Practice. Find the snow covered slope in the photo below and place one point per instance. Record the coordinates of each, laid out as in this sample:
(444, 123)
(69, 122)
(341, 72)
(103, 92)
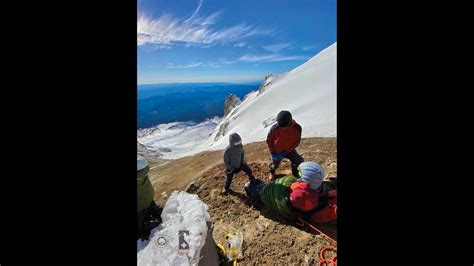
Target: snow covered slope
(308, 92)
(177, 139)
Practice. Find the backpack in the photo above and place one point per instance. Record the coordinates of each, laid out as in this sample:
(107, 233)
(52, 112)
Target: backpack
(326, 214)
(253, 188)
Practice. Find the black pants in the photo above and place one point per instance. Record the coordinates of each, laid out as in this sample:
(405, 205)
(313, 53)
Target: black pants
(230, 175)
(295, 160)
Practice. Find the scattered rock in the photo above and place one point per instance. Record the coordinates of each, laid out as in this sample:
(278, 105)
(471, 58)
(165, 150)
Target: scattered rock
(192, 187)
(164, 149)
(222, 130)
(265, 84)
(292, 242)
(260, 227)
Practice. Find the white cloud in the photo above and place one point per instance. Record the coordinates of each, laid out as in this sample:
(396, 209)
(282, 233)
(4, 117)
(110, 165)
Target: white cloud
(270, 58)
(240, 44)
(172, 65)
(212, 65)
(168, 30)
(195, 12)
(257, 59)
(194, 64)
(190, 44)
(277, 47)
(226, 61)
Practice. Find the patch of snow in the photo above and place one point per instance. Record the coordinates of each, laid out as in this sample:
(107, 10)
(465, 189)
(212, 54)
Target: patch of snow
(177, 139)
(182, 211)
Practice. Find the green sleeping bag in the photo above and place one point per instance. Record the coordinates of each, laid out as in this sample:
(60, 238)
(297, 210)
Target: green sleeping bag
(274, 196)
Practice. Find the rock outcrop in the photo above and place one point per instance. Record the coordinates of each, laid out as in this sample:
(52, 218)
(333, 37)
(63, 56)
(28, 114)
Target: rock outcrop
(230, 102)
(222, 130)
(147, 152)
(266, 82)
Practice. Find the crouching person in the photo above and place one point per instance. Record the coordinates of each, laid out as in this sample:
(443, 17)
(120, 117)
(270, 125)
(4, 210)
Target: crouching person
(282, 140)
(234, 161)
(304, 197)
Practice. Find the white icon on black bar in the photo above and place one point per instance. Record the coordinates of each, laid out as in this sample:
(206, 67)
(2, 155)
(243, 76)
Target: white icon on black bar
(183, 245)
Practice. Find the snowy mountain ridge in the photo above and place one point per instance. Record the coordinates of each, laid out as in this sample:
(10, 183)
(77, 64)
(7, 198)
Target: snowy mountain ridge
(308, 92)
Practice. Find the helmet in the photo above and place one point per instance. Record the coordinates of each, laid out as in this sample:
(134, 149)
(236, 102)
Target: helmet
(312, 173)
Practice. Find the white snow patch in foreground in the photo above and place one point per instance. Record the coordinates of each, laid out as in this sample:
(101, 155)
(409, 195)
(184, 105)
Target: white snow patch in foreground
(183, 211)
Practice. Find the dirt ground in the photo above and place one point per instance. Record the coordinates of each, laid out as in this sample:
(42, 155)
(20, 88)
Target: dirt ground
(268, 237)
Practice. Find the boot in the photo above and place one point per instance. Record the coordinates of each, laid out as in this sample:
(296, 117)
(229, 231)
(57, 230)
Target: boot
(225, 191)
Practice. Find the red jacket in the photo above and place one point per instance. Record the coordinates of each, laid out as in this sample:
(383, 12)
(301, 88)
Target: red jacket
(279, 139)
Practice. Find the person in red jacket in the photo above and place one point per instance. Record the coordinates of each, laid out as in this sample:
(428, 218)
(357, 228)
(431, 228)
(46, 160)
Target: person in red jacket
(282, 140)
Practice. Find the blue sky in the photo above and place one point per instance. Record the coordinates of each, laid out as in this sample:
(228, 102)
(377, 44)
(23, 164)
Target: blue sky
(229, 41)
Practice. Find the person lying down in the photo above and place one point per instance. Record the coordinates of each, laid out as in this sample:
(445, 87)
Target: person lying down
(308, 197)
